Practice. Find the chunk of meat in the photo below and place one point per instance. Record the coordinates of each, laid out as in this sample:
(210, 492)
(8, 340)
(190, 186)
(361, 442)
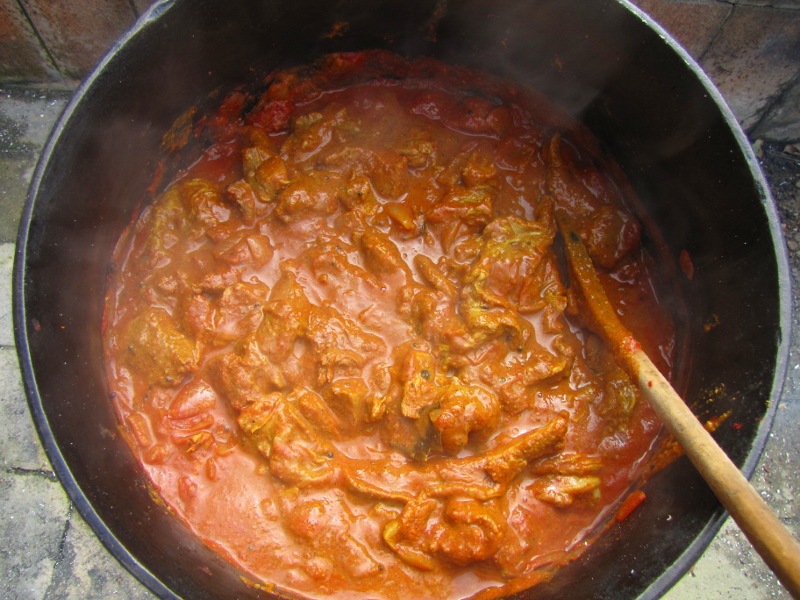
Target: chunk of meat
(460, 531)
(245, 379)
(411, 436)
(514, 374)
(198, 318)
(168, 222)
(513, 273)
(341, 345)
(316, 411)
(418, 147)
(271, 115)
(386, 170)
(472, 115)
(567, 464)
(471, 531)
(470, 208)
(506, 461)
(195, 398)
(465, 409)
(323, 523)
(380, 252)
(253, 249)
(433, 275)
(348, 400)
(418, 376)
(157, 350)
(309, 195)
(239, 311)
(205, 205)
(242, 195)
(253, 157)
(512, 250)
(335, 264)
(400, 213)
(358, 195)
(619, 392)
(434, 316)
(218, 279)
(480, 168)
(269, 178)
(570, 194)
(313, 131)
(610, 235)
(620, 397)
(563, 479)
(564, 490)
(297, 454)
(285, 318)
(462, 523)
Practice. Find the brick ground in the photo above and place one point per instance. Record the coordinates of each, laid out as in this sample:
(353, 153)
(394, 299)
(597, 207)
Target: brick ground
(693, 24)
(78, 32)
(142, 5)
(22, 56)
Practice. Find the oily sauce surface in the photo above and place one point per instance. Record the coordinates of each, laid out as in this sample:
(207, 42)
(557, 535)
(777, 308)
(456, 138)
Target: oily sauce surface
(341, 345)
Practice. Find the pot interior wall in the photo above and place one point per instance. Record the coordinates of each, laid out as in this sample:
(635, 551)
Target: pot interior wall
(597, 59)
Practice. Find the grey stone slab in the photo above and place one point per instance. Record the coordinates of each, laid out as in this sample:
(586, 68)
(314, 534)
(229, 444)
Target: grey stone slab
(26, 118)
(78, 32)
(87, 571)
(22, 55)
(693, 23)
(6, 318)
(14, 180)
(32, 527)
(782, 122)
(35, 111)
(776, 477)
(729, 569)
(754, 59)
(785, 4)
(19, 443)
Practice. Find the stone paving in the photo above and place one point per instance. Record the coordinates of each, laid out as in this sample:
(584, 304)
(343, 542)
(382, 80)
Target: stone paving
(751, 51)
(47, 552)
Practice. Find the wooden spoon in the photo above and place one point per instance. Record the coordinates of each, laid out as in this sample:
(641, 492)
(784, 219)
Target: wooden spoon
(765, 531)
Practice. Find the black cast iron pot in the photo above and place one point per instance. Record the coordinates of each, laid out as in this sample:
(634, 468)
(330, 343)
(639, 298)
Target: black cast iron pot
(601, 59)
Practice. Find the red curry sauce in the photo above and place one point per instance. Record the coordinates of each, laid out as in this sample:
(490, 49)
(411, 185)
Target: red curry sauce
(343, 349)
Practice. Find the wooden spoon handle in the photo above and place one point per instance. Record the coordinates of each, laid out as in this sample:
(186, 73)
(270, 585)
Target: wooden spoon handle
(765, 531)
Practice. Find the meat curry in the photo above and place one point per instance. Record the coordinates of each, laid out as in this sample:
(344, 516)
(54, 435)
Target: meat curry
(343, 347)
